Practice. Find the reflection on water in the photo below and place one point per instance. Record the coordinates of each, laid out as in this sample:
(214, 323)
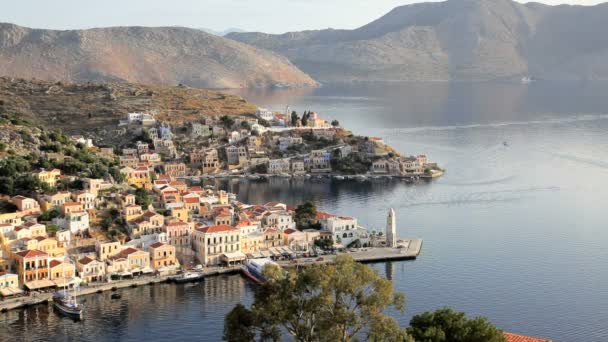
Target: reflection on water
(516, 233)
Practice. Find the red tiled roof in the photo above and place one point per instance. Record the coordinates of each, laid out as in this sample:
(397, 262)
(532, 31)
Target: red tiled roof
(192, 200)
(244, 223)
(216, 229)
(511, 337)
(31, 254)
(322, 215)
(128, 251)
(157, 244)
(85, 261)
(289, 231)
(54, 263)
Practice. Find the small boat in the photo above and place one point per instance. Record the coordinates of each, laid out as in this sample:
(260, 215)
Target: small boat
(187, 277)
(254, 269)
(116, 295)
(339, 177)
(66, 304)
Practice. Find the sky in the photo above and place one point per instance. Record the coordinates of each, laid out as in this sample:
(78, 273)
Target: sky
(271, 16)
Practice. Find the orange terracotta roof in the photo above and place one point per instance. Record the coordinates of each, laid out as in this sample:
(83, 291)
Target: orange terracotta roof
(244, 223)
(31, 254)
(322, 215)
(216, 229)
(192, 200)
(157, 244)
(511, 337)
(127, 251)
(54, 263)
(289, 231)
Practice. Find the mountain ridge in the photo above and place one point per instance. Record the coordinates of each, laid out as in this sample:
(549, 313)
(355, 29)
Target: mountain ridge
(152, 55)
(454, 40)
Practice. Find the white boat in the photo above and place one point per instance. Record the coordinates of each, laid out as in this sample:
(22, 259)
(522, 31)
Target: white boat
(526, 80)
(187, 277)
(254, 269)
(339, 177)
(67, 304)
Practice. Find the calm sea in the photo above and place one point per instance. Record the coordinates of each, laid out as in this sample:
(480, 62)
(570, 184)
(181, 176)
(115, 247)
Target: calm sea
(515, 231)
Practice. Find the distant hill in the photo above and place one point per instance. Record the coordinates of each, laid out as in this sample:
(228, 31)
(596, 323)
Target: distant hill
(82, 107)
(454, 40)
(165, 56)
(222, 33)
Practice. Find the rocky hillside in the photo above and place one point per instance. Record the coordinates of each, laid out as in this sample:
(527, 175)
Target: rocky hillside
(163, 56)
(80, 107)
(455, 40)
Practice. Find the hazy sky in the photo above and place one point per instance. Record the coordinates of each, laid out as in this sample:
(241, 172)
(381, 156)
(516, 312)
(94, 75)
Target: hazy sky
(273, 16)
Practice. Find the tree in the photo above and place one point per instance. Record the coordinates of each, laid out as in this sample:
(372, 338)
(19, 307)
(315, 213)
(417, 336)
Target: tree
(49, 215)
(305, 117)
(323, 302)
(238, 325)
(143, 198)
(305, 213)
(227, 121)
(294, 118)
(448, 325)
(335, 123)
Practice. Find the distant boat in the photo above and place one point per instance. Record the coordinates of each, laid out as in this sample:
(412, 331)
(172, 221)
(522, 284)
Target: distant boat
(115, 295)
(254, 269)
(187, 277)
(527, 79)
(66, 303)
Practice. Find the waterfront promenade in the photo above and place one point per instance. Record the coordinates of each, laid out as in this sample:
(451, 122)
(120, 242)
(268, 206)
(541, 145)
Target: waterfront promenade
(411, 249)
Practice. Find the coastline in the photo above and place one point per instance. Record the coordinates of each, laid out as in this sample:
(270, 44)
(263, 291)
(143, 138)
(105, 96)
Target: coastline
(365, 255)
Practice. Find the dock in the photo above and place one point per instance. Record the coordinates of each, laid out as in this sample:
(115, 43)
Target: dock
(409, 249)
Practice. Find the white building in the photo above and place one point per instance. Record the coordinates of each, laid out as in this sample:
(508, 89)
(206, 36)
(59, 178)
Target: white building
(265, 114)
(76, 221)
(344, 229)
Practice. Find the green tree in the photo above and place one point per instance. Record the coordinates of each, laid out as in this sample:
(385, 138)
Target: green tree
(335, 123)
(294, 118)
(238, 325)
(305, 213)
(143, 198)
(7, 185)
(227, 121)
(450, 326)
(305, 117)
(49, 215)
(323, 302)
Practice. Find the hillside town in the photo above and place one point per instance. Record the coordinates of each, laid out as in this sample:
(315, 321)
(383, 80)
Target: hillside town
(267, 144)
(73, 214)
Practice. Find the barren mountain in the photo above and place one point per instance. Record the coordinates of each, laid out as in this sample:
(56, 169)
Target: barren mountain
(455, 40)
(81, 107)
(165, 56)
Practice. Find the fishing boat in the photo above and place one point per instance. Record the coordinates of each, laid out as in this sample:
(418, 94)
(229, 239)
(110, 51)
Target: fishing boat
(67, 304)
(254, 269)
(187, 277)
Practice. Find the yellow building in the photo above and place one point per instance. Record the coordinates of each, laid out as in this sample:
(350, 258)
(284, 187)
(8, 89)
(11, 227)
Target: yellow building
(137, 259)
(162, 255)
(272, 238)
(49, 177)
(9, 280)
(49, 246)
(132, 212)
(106, 249)
(252, 242)
(180, 213)
(55, 199)
(61, 270)
(138, 177)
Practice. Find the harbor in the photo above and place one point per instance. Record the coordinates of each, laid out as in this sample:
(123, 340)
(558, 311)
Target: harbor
(409, 249)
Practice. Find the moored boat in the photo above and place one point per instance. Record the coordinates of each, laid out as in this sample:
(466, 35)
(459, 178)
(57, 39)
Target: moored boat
(254, 269)
(187, 277)
(66, 304)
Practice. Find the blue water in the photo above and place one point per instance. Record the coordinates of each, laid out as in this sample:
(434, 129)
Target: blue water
(515, 233)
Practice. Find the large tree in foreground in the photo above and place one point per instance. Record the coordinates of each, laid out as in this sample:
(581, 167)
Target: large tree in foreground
(330, 302)
(446, 325)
